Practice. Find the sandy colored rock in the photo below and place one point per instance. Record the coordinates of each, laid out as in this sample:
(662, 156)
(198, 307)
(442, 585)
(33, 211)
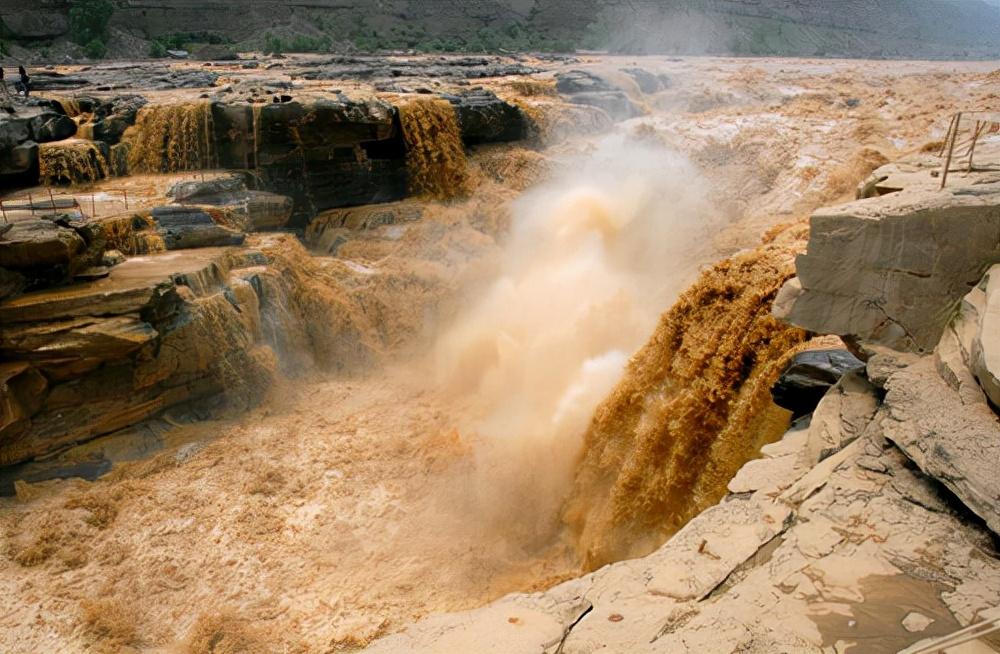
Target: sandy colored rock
(954, 442)
(985, 350)
(858, 283)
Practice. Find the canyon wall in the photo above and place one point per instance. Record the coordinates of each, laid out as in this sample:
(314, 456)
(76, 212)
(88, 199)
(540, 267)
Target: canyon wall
(889, 28)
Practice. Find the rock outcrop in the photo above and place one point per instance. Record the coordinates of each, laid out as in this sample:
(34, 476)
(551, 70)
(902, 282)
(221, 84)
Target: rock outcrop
(864, 504)
(586, 88)
(485, 118)
(183, 226)
(331, 229)
(159, 330)
(891, 270)
(324, 153)
(258, 210)
(809, 376)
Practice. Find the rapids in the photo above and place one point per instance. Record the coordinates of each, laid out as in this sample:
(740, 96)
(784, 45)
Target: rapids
(506, 391)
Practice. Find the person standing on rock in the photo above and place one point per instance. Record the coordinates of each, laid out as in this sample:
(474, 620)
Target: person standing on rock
(25, 80)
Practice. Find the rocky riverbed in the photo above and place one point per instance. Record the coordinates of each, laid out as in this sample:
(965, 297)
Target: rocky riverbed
(296, 352)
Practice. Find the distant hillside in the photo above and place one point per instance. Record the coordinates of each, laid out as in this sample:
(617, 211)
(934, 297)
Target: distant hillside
(852, 28)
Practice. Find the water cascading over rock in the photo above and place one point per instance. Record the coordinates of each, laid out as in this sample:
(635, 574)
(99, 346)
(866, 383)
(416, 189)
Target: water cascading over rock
(171, 138)
(74, 161)
(694, 405)
(435, 157)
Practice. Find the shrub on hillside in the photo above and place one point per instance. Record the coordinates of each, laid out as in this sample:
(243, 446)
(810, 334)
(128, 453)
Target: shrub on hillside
(88, 25)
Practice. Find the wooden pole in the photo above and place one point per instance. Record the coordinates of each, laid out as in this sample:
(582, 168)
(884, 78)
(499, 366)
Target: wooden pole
(52, 200)
(31, 204)
(93, 205)
(944, 143)
(972, 148)
(951, 148)
(125, 193)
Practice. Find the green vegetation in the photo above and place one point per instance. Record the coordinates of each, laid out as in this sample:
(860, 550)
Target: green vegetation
(183, 41)
(157, 50)
(357, 33)
(95, 49)
(88, 25)
(298, 43)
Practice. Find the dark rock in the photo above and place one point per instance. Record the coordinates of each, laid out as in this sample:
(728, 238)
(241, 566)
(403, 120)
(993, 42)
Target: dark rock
(11, 283)
(616, 103)
(18, 153)
(583, 87)
(202, 191)
(323, 154)
(20, 160)
(259, 209)
(485, 118)
(114, 116)
(13, 131)
(648, 82)
(49, 127)
(580, 81)
(809, 375)
(188, 227)
(51, 81)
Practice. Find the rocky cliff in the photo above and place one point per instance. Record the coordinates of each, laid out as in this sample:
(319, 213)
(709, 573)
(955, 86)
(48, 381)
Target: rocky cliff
(889, 28)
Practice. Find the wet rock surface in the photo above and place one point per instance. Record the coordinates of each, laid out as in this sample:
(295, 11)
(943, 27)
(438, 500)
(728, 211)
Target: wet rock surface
(485, 118)
(184, 226)
(586, 88)
(259, 210)
(809, 376)
(323, 153)
(100, 356)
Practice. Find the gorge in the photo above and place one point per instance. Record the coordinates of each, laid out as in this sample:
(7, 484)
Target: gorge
(476, 353)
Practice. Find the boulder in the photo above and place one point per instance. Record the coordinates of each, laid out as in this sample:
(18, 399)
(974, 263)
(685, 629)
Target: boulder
(585, 88)
(646, 81)
(112, 117)
(809, 376)
(39, 242)
(485, 118)
(192, 227)
(207, 191)
(841, 417)
(20, 159)
(50, 126)
(216, 52)
(572, 82)
(260, 210)
(615, 103)
(892, 270)
(14, 130)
